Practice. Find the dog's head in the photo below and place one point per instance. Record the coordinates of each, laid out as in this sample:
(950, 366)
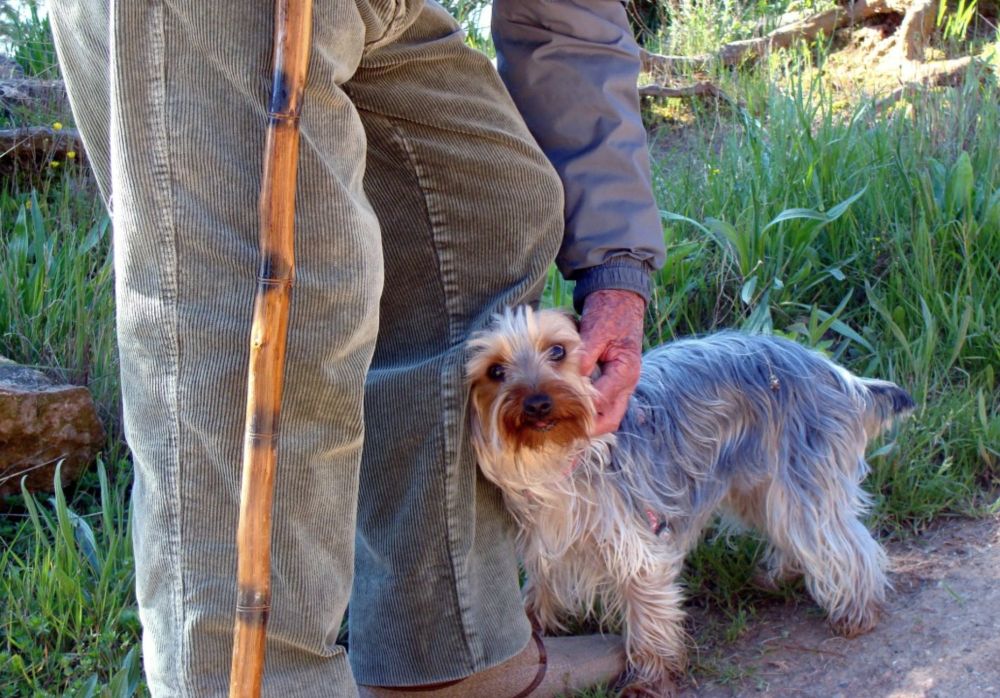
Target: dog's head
(529, 402)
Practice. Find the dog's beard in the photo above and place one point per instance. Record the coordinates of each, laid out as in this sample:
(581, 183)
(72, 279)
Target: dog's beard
(519, 452)
(568, 422)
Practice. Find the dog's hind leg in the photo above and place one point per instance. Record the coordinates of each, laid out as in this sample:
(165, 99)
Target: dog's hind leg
(748, 509)
(820, 528)
(776, 569)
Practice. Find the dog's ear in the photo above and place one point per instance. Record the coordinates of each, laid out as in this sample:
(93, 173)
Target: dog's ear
(573, 317)
(565, 313)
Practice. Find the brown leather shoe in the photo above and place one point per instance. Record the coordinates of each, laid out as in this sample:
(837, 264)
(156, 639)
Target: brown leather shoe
(547, 667)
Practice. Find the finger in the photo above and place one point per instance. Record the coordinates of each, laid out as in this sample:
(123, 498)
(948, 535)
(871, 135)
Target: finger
(610, 418)
(613, 391)
(591, 349)
(614, 381)
(620, 372)
(609, 316)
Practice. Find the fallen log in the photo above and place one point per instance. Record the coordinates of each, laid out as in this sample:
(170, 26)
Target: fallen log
(37, 148)
(920, 77)
(735, 52)
(698, 89)
(33, 94)
(32, 142)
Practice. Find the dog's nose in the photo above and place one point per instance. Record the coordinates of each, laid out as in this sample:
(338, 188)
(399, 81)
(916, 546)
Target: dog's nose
(537, 406)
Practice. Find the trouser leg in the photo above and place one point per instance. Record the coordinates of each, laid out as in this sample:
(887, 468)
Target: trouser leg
(178, 91)
(471, 214)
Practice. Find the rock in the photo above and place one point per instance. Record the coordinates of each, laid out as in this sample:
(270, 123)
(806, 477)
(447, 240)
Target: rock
(42, 422)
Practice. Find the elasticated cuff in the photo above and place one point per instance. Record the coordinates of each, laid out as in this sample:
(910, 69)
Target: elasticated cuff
(623, 273)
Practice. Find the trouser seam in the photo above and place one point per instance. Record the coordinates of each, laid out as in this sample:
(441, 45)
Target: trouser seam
(449, 455)
(162, 173)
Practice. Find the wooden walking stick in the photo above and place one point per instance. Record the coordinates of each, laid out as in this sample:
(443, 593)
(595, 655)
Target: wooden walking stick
(292, 33)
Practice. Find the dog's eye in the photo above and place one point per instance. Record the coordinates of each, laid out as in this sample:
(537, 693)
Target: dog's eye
(496, 372)
(557, 352)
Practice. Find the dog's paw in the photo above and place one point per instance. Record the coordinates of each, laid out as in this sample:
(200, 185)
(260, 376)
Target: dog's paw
(859, 624)
(633, 684)
(543, 616)
(773, 580)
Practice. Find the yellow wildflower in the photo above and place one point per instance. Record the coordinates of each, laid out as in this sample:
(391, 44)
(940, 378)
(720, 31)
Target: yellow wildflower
(70, 154)
(57, 126)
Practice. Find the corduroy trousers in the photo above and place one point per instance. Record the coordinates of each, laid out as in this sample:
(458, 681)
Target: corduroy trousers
(423, 206)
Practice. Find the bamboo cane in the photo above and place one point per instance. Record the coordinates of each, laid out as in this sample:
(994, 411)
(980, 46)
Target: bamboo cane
(292, 33)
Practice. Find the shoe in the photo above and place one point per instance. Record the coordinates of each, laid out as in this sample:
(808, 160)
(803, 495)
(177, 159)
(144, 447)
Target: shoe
(544, 669)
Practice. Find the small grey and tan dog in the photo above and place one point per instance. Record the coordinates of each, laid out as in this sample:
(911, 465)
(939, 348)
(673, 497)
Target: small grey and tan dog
(759, 428)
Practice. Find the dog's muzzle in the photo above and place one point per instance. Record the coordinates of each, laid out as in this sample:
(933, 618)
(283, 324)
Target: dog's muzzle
(536, 408)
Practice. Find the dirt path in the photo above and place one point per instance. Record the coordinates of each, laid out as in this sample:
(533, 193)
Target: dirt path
(940, 638)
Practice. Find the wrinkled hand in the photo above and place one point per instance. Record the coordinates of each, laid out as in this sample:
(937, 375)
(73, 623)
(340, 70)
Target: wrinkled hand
(611, 329)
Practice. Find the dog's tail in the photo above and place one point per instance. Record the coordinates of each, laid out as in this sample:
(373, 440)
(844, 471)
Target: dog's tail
(886, 403)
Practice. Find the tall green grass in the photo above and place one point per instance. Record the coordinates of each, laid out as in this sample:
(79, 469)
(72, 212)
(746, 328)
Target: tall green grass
(26, 36)
(68, 621)
(874, 237)
(56, 284)
(68, 624)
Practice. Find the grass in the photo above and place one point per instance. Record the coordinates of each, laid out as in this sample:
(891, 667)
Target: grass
(56, 285)
(69, 623)
(803, 212)
(873, 238)
(26, 36)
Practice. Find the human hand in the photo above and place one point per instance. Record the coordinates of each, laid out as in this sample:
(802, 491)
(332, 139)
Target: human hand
(611, 330)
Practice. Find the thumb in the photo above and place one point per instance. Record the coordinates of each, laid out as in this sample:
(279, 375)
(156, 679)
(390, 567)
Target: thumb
(590, 352)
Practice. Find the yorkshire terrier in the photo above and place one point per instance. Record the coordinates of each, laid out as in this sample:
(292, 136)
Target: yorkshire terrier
(758, 428)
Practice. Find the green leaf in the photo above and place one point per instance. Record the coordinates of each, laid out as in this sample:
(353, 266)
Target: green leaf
(963, 330)
(812, 214)
(844, 330)
(991, 216)
(838, 210)
(958, 194)
(84, 536)
(33, 512)
(126, 680)
(90, 688)
(790, 214)
(883, 451)
(746, 293)
(740, 243)
(888, 320)
(41, 239)
(96, 234)
(19, 235)
(671, 216)
(760, 321)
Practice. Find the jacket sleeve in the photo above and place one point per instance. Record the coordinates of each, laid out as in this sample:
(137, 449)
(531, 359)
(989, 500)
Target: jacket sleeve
(571, 67)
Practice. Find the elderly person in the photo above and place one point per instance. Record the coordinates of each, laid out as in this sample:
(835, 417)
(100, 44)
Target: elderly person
(428, 198)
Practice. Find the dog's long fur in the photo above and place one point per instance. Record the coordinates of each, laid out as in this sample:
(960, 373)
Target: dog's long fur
(760, 428)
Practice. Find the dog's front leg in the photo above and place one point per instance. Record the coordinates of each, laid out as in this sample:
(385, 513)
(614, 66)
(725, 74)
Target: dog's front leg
(541, 602)
(652, 601)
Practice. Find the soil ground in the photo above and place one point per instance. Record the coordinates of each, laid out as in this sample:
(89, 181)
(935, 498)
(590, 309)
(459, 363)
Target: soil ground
(940, 637)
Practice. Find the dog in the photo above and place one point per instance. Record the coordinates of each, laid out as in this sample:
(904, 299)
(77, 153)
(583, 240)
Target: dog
(758, 428)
